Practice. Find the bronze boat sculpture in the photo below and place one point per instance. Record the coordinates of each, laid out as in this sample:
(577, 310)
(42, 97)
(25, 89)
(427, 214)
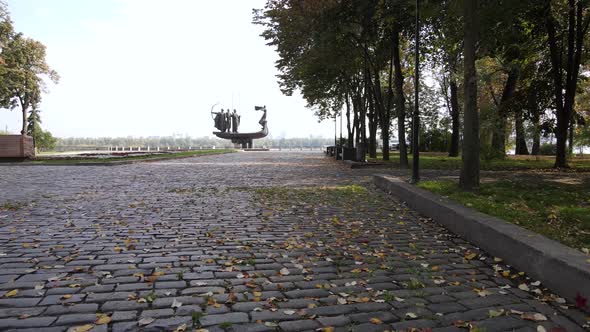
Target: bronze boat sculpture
(227, 123)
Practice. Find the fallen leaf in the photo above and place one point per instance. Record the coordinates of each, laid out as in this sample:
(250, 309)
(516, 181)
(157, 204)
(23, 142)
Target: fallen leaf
(411, 315)
(271, 324)
(495, 313)
(102, 319)
(284, 271)
(524, 287)
(176, 303)
(81, 328)
(289, 312)
(180, 328)
(11, 293)
(66, 296)
(541, 329)
(376, 320)
(470, 255)
(146, 321)
(534, 316)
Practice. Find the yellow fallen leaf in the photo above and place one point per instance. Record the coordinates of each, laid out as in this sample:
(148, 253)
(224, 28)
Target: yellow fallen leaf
(102, 319)
(470, 255)
(181, 328)
(81, 328)
(66, 296)
(11, 293)
(376, 320)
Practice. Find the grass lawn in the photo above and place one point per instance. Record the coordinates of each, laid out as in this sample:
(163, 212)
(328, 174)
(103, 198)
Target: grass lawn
(161, 156)
(432, 160)
(560, 211)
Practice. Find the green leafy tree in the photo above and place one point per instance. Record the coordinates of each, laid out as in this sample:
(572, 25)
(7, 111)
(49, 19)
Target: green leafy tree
(25, 71)
(567, 24)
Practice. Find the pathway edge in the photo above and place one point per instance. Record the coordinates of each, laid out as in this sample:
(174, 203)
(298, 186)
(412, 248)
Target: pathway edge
(560, 268)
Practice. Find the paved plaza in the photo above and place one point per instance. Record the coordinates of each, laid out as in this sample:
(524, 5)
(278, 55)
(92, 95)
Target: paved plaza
(249, 241)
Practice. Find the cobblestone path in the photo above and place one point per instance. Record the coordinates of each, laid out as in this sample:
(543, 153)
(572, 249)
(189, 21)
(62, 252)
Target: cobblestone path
(244, 242)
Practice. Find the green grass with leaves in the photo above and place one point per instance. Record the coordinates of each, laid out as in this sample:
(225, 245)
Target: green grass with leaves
(429, 160)
(560, 211)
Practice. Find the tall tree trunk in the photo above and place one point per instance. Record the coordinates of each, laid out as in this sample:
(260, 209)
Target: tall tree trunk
(454, 148)
(400, 101)
(577, 29)
(469, 179)
(386, 112)
(373, 114)
(349, 128)
(535, 118)
(570, 142)
(521, 148)
(24, 111)
(356, 121)
(499, 133)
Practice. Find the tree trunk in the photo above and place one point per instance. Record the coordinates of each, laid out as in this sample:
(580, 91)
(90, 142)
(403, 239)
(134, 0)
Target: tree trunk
(454, 148)
(374, 109)
(400, 102)
(499, 134)
(535, 118)
(372, 127)
(564, 104)
(521, 148)
(24, 111)
(356, 121)
(349, 129)
(570, 142)
(469, 179)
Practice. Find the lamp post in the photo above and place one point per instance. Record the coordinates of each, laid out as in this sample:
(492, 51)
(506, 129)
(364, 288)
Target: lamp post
(416, 115)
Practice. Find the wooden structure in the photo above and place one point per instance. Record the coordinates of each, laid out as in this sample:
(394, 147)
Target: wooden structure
(16, 147)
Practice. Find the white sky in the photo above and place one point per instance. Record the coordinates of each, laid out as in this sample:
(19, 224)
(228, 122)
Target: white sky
(154, 68)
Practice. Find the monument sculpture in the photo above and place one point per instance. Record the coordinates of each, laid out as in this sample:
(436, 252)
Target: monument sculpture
(228, 123)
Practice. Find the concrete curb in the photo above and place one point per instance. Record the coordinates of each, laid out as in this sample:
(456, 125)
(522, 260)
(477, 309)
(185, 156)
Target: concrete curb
(111, 163)
(358, 165)
(560, 268)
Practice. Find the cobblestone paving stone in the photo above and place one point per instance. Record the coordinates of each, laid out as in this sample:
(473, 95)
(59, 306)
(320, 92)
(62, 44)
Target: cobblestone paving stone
(243, 242)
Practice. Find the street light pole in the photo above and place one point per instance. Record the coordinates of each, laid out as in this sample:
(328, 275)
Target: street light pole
(416, 115)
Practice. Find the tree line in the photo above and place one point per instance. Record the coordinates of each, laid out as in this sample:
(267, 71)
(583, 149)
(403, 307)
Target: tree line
(501, 69)
(23, 75)
(183, 142)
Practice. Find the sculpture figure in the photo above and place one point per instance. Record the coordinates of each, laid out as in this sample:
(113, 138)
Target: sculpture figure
(228, 123)
(262, 120)
(235, 119)
(219, 120)
(227, 120)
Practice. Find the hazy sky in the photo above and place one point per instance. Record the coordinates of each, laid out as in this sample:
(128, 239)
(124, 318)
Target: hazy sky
(154, 68)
